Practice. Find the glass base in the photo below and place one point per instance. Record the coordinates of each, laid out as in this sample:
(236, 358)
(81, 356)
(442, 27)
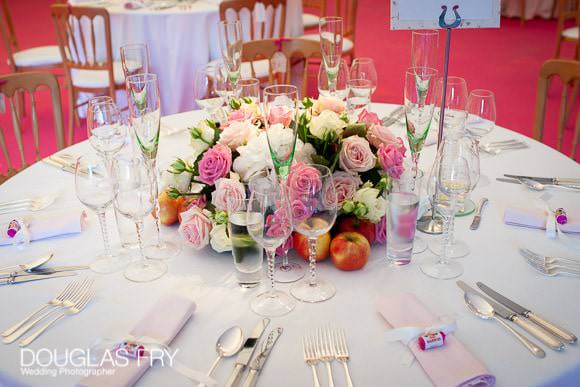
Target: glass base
(419, 245)
(458, 249)
(145, 272)
(292, 272)
(438, 270)
(430, 225)
(321, 291)
(468, 208)
(272, 303)
(106, 265)
(162, 251)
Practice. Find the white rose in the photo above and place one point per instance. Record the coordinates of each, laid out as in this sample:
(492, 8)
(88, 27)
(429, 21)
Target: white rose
(219, 239)
(253, 157)
(237, 133)
(179, 181)
(327, 120)
(303, 152)
(376, 205)
(203, 143)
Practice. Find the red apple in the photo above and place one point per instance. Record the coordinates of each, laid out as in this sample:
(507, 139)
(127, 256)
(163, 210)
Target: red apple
(350, 251)
(168, 209)
(354, 224)
(184, 205)
(322, 246)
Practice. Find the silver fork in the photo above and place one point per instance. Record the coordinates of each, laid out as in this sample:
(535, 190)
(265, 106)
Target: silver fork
(574, 263)
(32, 205)
(76, 308)
(341, 353)
(551, 270)
(495, 150)
(68, 302)
(325, 350)
(311, 357)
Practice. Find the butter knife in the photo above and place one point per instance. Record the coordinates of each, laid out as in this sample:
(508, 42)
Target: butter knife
(549, 326)
(548, 180)
(477, 217)
(35, 277)
(43, 271)
(260, 360)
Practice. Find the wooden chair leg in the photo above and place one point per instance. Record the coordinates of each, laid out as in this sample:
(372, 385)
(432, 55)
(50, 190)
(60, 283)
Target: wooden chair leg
(558, 47)
(576, 137)
(71, 114)
(571, 101)
(522, 12)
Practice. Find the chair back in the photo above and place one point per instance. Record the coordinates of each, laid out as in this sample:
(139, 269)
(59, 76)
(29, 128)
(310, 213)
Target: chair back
(8, 35)
(569, 72)
(29, 82)
(292, 49)
(319, 5)
(262, 19)
(347, 9)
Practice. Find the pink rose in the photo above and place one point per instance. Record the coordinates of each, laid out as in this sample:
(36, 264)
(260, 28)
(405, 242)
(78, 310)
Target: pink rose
(278, 224)
(235, 134)
(215, 164)
(356, 155)
(300, 211)
(345, 185)
(368, 118)
(197, 201)
(330, 103)
(303, 180)
(281, 115)
(381, 231)
(391, 158)
(240, 115)
(195, 227)
(229, 195)
(284, 247)
(378, 134)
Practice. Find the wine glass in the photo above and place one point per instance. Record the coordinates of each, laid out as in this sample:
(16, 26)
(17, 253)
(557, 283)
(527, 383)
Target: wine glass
(135, 59)
(364, 68)
(269, 223)
(205, 96)
(455, 105)
(342, 78)
(452, 181)
(94, 188)
(331, 36)
(145, 116)
(230, 40)
(135, 191)
(358, 97)
(424, 48)
(105, 131)
(314, 204)
(280, 109)
(481, 113)
(249, 88)
(419, 106)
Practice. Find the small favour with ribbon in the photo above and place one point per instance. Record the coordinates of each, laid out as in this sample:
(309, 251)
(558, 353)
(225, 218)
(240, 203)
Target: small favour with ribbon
(561, 217)
(18, 231)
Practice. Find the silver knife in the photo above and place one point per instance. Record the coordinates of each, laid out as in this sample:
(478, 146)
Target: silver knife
(477, 217)
(561, 184)
(43, 271)
(394, 116)
(550, 327)
(246, 353)
(35, 277)
(521, 321)
(548, 180)
(260, 360)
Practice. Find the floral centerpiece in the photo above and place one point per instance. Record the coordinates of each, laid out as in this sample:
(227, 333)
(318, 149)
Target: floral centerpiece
(363, 155)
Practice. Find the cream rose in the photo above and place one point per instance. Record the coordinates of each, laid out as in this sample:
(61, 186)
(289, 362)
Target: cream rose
(201, 138)
(180, 181)
(219, 239)
(356, 155)
(328, 103)
(253, 157)
(326, 121)
(195, 227)
(376, 205)
(229, 195)
(237, 133)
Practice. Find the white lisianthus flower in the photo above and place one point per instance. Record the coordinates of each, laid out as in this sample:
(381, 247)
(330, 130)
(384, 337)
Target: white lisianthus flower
(326, 121)
(253, 157)
(219, 239)
(375, 204)
(303, 152)
(180, 181)
(202, 138)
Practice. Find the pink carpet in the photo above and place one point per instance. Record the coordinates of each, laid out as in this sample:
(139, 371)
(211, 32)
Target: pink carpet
(505, 60)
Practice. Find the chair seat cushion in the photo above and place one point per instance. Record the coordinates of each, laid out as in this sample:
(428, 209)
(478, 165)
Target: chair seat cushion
(38, 56)
(97, 78)
(261, 67)
(347, 44)
(571, 33)
(309, 20)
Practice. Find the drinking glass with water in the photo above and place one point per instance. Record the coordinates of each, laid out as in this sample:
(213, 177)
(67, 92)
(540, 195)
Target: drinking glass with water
(402, 208)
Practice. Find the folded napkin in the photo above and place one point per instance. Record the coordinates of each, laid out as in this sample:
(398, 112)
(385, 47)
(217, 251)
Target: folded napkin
(536, 218)
(48, 225)
(162, 323)
(451, 365)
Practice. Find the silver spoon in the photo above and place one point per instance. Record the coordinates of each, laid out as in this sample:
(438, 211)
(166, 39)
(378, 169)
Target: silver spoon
(537, 186)
(29, 266)
(483, 309)
(228, 344)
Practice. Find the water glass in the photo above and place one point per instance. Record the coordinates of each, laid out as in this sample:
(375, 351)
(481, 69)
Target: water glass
(249, 88)
(106, 133)
(481, 112)
(455, 105)
(135, 59)
(342, 78)
(205, 93)
(364, 68)
(402, 208)
(358, 97)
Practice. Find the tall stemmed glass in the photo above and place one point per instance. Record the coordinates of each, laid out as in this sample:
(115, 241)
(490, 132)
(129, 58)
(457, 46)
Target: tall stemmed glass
(106, 133)
(135, 192)
(331, 36)
(424, 48)
(342, 78)
(94, 188)
(249, 88)
(314, 204)
(419, 106)
(269, 223)
(481, 116)
(452, 181)
(455, 105)
(145, 116)
(230, 38)
(364, 68)
(135, 59)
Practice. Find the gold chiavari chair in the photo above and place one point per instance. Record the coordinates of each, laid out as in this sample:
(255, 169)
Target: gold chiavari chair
(272, 26)
(310, 20)
(568, 9)
(28, 82)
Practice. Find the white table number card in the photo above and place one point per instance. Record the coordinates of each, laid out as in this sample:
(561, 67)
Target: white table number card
(424, 14)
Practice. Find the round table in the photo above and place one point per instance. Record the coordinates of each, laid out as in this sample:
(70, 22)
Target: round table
(209, 279)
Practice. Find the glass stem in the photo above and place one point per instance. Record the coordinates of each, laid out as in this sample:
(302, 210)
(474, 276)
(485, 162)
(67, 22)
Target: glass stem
(139, 226)
(415, 156)
(157, 208)
(105, 233)
(285, 259)
(312, 260)
(271, 254)
(448, 228)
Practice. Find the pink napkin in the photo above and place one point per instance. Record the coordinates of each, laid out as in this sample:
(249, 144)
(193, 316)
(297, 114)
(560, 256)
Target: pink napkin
(452, 365)
(536, 218)
(162, 323)
(48, 225)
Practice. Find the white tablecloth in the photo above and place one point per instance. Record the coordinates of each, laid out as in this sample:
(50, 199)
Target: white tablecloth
(208, 277)
(180, 41)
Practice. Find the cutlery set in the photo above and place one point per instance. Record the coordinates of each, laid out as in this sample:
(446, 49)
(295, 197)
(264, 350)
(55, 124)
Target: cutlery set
(63, 161)
(394, 117)
(542, 183)
(70, 301)
(497, 147)
(490, 304)
(323, 346)
(32, 204)
(551, 266)
(34, 271)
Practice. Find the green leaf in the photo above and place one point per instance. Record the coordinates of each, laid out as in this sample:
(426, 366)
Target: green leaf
(173, 193)
(307, 103)
(317, 159)
(235, 104)
(355, 130)
(247, 100)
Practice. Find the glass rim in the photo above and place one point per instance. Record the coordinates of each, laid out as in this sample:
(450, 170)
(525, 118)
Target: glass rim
(332, 19)
(98, 100)
(426, 31)
(453, 79)
(367, 83)
(482, 93)
(291, 89)
(320, 168)
(364, 59)
(141, 78)
(249, 81)
(402, 194)
(134, 45)
(424, 70)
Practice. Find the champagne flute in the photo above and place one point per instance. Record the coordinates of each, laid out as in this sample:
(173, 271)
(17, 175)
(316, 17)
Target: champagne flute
(135, 193)
(145, 118)
(269, 223)
(364, 68)
(331, 37)
(94, 188)
(424, 48)
(135, 59)
(342, 78)
(105, 131)
(205, 96)
(314, 205)
(230, 41)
